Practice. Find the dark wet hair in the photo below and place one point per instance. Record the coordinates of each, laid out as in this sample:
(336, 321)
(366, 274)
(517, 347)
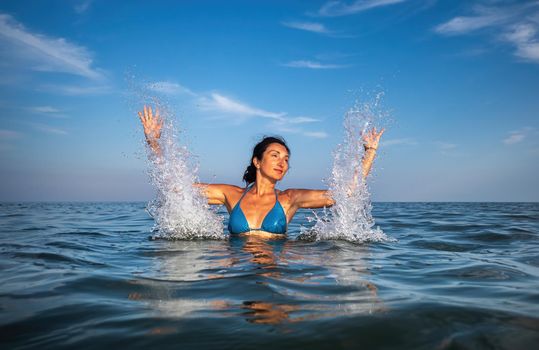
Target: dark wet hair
(250, 173)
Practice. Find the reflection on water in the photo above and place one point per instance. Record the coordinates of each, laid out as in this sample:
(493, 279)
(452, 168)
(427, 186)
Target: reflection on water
(264, 253)
(268, 313)
(263, 281)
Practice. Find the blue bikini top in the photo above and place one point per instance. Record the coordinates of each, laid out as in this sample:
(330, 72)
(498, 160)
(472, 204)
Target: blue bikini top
(274, 222)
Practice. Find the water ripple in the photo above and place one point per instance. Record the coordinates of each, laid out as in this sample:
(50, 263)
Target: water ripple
(461, 275)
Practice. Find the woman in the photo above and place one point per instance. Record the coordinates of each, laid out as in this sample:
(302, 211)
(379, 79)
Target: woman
(260, 208)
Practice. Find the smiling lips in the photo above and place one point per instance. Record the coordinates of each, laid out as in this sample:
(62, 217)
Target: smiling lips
(280, 171)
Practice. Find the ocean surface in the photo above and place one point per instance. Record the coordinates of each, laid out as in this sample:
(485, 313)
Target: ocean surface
(87, 276)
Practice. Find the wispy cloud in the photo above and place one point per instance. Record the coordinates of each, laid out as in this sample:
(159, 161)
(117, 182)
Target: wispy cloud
(227, 108)
(44, 109)
(516, 24)
(47, 111)
(308, 26)
(170, 88)
(293, 126)
(313, 65)
(316, 134)
(302, 120)
(514, 138)
(76, 90)
(395, 142)
(340, 8)
(294, 129)
(82, 6)
(48, 129)
(463, 24)
(218, 102)
(517, 136)
(524, 38)
(44, 53)
(215, 101)
(279, 121)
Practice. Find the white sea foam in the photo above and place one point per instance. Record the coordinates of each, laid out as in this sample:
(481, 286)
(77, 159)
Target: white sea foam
(350, 218)
(180, 210)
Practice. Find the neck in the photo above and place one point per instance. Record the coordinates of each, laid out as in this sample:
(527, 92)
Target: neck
(263, 186)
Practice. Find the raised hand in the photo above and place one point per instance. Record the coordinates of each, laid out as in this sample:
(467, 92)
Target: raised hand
(371, 139)
(152, 123)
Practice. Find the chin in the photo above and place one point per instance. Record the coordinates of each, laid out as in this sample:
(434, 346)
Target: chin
(276, 178)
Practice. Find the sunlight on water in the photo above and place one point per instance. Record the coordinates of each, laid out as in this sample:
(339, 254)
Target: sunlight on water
(350, 218)
(179, 209)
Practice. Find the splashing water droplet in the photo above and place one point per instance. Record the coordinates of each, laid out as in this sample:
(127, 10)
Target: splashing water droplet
(180, 210)
(350, 217)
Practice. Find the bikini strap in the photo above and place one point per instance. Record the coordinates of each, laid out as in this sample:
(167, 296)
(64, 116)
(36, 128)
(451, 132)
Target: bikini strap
(246, 190)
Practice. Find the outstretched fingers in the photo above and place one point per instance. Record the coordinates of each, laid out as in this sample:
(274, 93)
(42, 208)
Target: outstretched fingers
(157, 117)
(368, 136)
(150, 114)
(371, 138)
(148, 117)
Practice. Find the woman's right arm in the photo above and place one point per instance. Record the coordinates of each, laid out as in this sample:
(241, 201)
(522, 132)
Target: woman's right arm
(215, 193)
(152, 124)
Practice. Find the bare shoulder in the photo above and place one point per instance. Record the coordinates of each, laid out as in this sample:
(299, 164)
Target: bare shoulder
(226, 189)
(220, 193)
(291, 195)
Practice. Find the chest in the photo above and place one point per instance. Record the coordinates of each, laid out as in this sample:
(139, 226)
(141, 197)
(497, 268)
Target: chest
(256, 209)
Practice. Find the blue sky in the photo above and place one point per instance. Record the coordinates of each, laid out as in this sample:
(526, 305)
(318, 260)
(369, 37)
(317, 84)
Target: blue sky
(460, 81)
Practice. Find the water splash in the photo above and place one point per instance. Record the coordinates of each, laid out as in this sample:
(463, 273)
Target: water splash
(180, 210)
(350, 218)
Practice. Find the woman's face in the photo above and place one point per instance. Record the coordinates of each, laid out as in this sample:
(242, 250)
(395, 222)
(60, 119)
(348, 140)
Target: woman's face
(274, 163)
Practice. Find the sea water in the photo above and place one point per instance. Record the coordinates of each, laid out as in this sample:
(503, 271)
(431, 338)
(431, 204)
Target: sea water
(85, 276)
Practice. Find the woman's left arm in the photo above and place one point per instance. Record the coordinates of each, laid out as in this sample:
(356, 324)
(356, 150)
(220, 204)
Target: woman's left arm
(370, 143)
(322, 198)
(312, 199)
